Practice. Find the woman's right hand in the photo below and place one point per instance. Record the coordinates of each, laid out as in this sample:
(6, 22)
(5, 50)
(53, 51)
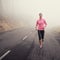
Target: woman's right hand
(36, 28)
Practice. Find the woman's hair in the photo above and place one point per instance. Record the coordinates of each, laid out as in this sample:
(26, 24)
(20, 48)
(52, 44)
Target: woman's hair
(40, 14)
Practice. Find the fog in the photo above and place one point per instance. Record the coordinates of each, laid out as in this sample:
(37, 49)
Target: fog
(27, 11)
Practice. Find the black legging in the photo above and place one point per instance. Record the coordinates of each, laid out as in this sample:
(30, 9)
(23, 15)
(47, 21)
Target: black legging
(41, 34)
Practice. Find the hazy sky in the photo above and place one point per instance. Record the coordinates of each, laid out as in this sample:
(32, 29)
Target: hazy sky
(28, 10)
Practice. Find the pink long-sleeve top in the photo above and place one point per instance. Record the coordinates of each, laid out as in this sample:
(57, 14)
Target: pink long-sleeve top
(41, 24)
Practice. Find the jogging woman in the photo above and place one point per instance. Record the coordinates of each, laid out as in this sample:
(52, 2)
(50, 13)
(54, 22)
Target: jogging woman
(40, 26)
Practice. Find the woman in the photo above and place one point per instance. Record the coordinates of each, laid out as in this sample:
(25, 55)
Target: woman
(40, 26)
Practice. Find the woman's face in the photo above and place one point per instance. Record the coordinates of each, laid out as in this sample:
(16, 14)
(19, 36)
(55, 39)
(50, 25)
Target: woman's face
(40, 15)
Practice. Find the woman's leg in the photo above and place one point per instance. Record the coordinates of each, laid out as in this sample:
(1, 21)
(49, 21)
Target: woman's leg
(40, 38)
(42, 35)
(39, 35)
(41, 43)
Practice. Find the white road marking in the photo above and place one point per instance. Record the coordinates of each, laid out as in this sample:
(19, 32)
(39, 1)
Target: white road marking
(24, 37)
(5, 54)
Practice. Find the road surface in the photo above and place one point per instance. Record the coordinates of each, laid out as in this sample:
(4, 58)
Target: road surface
(22, 44)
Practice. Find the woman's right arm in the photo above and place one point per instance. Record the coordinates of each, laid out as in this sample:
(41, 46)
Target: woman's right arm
(36, 24)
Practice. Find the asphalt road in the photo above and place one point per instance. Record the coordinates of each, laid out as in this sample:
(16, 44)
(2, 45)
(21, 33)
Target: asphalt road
(18, 41)
(22, 44)
(50, 50)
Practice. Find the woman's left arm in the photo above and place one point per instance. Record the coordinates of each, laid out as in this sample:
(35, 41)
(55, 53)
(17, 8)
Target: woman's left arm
(45, 23)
